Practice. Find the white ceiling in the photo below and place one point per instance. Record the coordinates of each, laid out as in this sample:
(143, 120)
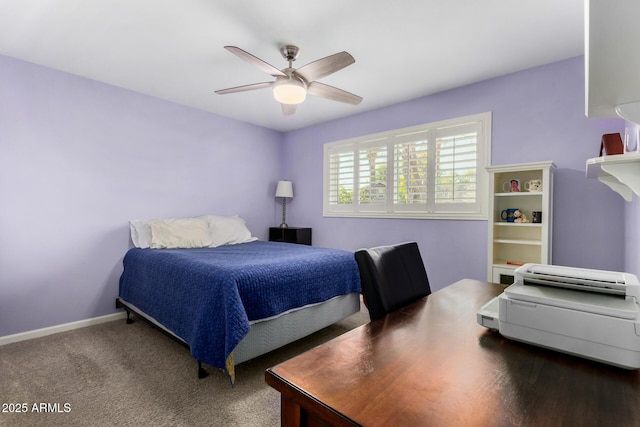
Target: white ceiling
(405, 49)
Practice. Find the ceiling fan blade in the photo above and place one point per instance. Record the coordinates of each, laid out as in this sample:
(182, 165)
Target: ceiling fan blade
(288, 109)
(330, 92)
(255, 61)
(323, 67)
(243, 88)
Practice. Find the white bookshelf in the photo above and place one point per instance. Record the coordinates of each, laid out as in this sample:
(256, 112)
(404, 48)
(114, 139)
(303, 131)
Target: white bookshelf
(512, 244)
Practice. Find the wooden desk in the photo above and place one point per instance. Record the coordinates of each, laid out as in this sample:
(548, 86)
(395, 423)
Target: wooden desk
(432, 364)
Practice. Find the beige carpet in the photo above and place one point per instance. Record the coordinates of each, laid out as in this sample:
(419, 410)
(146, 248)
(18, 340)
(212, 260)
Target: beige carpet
(119, 374)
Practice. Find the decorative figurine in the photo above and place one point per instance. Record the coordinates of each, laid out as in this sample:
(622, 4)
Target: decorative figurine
(520, 216)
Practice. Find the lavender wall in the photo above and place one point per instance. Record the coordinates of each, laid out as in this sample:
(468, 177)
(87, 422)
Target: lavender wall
(538, 114)
(79, 159)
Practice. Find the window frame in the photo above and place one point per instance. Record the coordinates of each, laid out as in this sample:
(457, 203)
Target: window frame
(390, 139)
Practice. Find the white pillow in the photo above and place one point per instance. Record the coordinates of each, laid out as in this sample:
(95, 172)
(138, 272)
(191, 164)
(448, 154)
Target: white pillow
(179, 233)
(223, 230)
(228, 230)
(140, 233)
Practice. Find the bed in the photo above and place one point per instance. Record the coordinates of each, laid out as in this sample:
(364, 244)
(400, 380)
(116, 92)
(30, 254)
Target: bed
(233, 302)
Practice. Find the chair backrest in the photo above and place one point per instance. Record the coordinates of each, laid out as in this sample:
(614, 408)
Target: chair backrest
(392, 277)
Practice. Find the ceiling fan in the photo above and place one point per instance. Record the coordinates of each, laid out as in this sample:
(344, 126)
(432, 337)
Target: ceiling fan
(292, 85)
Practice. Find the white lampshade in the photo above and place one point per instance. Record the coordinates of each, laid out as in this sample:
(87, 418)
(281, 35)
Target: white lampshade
(284, 189)
(289, 91)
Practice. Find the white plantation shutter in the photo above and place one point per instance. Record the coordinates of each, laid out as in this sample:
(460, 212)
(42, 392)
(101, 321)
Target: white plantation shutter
(372, 178)
(456, 177)
(410, 172)
(430, 171)
(341, 178)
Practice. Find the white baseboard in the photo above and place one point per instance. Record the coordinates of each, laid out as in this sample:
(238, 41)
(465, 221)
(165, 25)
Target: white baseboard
(23, 336)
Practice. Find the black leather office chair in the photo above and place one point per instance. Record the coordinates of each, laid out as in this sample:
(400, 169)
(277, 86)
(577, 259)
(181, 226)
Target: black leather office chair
(392, 277)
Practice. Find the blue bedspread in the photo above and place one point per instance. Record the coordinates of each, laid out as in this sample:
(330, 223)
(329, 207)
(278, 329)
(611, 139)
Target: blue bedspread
(208, 296)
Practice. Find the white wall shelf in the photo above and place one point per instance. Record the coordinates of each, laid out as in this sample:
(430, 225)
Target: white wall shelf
(621, 172)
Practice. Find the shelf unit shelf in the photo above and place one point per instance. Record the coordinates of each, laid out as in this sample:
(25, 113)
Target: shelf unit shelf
(517, 224)
(518, 242)
(507, 264)
(512, 244)
(620, 172)
(520, 194)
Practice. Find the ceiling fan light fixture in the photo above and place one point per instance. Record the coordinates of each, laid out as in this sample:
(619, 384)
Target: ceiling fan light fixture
(289, 91)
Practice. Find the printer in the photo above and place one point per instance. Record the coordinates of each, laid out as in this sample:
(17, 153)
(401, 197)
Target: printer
(588, 313)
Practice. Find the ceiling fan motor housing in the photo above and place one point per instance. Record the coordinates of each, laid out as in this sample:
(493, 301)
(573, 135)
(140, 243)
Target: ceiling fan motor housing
(290, 52)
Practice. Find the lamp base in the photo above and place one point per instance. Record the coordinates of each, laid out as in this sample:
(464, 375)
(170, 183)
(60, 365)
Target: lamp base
(284, 213)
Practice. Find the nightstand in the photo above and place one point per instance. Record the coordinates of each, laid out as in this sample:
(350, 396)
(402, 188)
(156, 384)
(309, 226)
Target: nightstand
(301, 235)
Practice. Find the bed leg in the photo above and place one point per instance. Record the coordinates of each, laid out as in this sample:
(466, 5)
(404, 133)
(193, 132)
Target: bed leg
(120, 305)
(202, 373)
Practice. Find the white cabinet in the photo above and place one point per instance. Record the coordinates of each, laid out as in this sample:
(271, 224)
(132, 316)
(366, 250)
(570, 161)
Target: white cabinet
(612, 36)
(513, 243)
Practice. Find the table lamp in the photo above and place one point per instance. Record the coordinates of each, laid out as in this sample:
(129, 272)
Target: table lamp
(284, 190)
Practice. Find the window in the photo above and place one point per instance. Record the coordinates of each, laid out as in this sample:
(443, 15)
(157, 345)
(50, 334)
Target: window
(435, 170)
